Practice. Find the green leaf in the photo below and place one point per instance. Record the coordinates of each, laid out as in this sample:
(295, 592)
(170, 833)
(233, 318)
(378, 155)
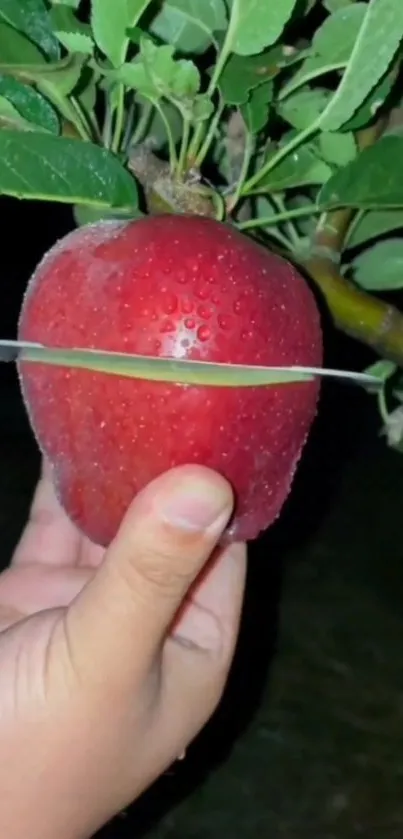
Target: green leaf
(29, 104)
(156, 74)
(201, 108)
(256, 24)
(157, 131)
(335, 39)
(172, 370)
(304, 107)
(376, 45)
(255, 111)
(374, 224)
(336, 147)
(372, 180)
(61, 76)
(73, 4)
(74, 35)
(17, 49)
(331, 47)
(87, 214)
(111, 22)
(242, 74)
(86, 90)
(22, 60)
(76, 42)
(10, 118)
(370, 106)
(264, 208)
(335, 5)
(189, 25)
(55, 81)
(382, 369)
(30, 17)
(39, 166)
(301, 168)
(380, 268)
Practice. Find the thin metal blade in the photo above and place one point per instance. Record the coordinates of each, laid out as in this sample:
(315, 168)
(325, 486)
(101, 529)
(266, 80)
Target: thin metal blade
(181, 371)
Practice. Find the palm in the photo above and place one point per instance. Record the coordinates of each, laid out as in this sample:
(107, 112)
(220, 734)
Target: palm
(52, 561)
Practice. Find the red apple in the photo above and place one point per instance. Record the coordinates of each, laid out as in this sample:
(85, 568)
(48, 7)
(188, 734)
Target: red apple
(182, 287)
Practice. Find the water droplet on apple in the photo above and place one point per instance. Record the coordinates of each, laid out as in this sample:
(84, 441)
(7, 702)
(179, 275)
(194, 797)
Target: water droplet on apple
(203, 292)
(190, 323)
(167, 326)
(224, 321)
(203, 333)
(187, 306)
(169, 304)
(237, 306)
(204, 312)
(157, 346)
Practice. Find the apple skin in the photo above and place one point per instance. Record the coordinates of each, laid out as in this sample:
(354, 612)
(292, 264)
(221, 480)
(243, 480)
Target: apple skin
(181, 287)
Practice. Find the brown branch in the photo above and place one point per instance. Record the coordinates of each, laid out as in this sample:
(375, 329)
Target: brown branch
(357, 313)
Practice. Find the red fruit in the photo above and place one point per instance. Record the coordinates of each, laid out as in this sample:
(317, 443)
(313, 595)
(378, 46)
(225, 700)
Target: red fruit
(183, 287)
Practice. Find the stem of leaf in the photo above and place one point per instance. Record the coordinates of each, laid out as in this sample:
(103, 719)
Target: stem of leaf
(222, 59)
(288, 225)
(352, 226)
(173, 158)
(107, 126)
(181, 167)
(142, 125)
(275, 234)
(303, 79)
(382, 406)
(223, 55)
(203, 151)
(119, 121)
(65, 107)
(287, 215)
(232, 200)
(128, 131)
(282, 152)
(87, 129)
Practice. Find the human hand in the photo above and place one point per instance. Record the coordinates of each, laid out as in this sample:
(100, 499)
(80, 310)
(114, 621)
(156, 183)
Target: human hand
(111, 661)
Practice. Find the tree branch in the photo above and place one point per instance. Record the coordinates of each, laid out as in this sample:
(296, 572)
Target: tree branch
(357, 313)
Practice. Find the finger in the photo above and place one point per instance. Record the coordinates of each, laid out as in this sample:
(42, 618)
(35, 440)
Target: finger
(210, 614)
(197, 659)
(49, 537)
(33, 588)
(122, 616)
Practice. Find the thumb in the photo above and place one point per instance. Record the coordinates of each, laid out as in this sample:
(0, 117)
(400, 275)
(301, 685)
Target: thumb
(117, 624)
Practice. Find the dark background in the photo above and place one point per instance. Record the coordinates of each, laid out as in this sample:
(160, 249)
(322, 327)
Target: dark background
(324, 596)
